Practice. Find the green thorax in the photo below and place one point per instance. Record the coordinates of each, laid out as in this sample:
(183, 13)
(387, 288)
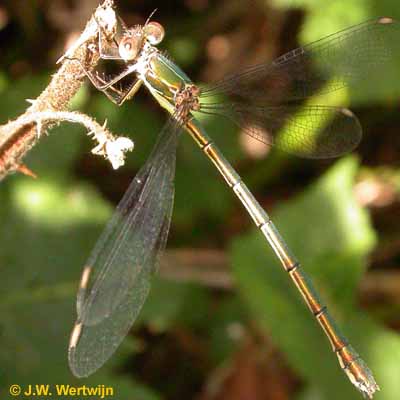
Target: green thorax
(164, 78)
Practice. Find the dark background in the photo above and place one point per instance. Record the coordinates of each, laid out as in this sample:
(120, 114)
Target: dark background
(223, 322)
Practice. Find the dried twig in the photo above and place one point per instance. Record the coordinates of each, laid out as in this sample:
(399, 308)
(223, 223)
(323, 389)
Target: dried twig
(110, 147)
(19, 136)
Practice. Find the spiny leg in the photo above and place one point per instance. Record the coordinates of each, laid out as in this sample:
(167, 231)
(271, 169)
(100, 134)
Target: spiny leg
(120, 95)
(101, 84)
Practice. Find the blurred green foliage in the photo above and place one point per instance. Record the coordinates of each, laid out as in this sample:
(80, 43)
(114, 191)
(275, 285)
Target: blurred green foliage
(335, 257)
(48, 227)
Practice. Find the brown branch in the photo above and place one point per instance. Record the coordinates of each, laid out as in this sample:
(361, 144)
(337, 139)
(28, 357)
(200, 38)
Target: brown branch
(19, 136)
(204, 266)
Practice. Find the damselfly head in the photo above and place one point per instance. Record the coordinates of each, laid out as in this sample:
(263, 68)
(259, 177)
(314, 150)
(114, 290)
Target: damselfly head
(134, 39)
(131, 44)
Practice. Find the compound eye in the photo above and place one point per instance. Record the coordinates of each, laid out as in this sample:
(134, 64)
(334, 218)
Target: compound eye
(154, 32)
(129, 48)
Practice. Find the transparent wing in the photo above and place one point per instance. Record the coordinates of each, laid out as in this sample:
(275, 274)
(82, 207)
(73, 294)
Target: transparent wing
(341, 59)
(116, 280)
(306, 131)
(275, 90)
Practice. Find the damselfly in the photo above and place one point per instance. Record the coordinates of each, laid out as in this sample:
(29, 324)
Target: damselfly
(117, 276)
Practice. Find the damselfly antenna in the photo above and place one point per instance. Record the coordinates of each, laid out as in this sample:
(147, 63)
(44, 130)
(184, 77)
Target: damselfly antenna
(149, 18)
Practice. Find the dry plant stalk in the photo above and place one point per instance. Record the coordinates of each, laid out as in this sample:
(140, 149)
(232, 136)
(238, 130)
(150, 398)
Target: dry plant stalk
(17, 137)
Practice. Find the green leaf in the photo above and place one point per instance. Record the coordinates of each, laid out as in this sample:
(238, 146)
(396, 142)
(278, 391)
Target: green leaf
(47, 230)
(183, 49)
(196, 176)
(226, 328)
(323, 20)
(50, 202)
(13, 97)
(54, 155)
(170, 303)
(331, 235)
